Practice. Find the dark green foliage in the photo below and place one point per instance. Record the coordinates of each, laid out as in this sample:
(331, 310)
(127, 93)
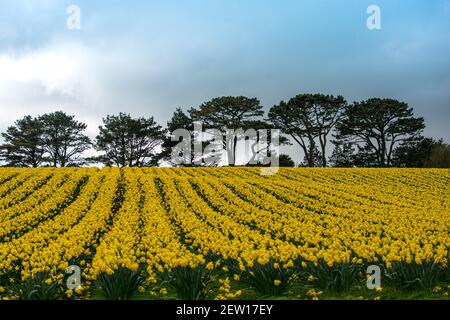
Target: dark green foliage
(36, 288)
(64, 139)
(286, 161)
(126, 141)
(316, 157)
(337, 278)
(439, 157)
(413, 153)
(372, 133)
(23, 145)
(230, 113)
(262, 278)
(422, 153)
(378, 125)
(307, 118)
(343, 155)
(365, 157)
(179, 120)
(189, 283)
(55, 139)
(123, 284)
(414, 276)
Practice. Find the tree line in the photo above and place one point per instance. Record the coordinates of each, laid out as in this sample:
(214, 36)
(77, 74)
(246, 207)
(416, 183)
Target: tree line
(372, 133)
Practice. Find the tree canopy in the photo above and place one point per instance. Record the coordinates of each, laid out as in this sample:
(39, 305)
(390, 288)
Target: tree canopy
(179, 120)
(377, 126)
(373, 133)
(343, 156)
(126, 141)
(230, 113)
(54, 139)
(307, 118)
(23, 145)
(64, 139)
(422, 152)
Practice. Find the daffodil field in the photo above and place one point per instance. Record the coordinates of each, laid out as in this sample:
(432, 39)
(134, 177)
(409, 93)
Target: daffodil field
(222, 233)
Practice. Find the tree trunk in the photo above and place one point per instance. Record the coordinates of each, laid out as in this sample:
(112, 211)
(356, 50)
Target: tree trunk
(311, 155)
(231, 151)
(323, 144)
(383, 149)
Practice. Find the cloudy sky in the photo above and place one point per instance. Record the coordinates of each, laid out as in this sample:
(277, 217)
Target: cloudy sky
(149, 57)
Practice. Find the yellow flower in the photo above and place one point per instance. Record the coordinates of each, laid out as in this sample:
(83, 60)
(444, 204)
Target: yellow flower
(163, 291)
(276, 282)
(313, 293)
(79, 290)
(134, 266)
(437, 289)
(50, 217)
(69, 293)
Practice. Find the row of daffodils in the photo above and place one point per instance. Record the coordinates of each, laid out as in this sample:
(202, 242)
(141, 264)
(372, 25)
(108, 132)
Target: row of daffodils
(221, 233)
